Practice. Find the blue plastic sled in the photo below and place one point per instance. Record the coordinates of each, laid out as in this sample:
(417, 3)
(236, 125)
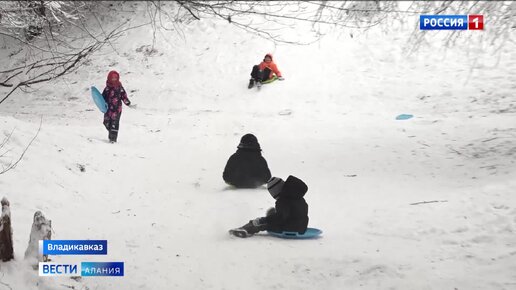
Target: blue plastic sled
(404, 117)
(309, 234)
(99, 100)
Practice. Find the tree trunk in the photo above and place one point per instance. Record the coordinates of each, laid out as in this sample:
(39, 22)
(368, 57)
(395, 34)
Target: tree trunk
(41, 230)
(6, 232)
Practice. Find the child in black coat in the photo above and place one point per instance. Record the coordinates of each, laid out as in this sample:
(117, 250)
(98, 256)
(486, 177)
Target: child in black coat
(290, 213)
(247, 168)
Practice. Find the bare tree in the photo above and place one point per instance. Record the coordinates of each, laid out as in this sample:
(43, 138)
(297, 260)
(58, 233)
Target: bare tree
(3, 151)
(53, 36)
(56, 38)
(355, 15)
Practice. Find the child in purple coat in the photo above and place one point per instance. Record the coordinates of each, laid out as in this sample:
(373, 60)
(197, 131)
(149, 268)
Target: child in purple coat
(114, 94)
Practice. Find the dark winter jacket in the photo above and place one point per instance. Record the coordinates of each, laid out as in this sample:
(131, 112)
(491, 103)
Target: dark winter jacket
(114, 94)
(246, 169)
(291, 208)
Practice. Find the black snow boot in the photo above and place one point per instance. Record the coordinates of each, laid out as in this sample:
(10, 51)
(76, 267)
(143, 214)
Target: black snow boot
(244, 231)
(113, 135)
(251, 84)
(249, 229)
(240, 232)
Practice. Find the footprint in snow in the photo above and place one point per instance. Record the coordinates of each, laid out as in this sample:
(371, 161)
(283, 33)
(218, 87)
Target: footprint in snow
(285, 112)
(378, 270)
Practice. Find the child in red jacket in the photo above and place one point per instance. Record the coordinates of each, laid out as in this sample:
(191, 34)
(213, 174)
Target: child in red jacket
(114, 94)
(266, 70)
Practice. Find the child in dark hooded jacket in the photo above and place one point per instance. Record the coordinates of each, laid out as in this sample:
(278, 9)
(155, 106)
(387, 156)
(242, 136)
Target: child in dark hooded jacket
(247, 168)
(290, 213)
(114, 94)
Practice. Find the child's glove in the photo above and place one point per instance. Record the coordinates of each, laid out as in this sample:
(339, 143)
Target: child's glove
(281, 78)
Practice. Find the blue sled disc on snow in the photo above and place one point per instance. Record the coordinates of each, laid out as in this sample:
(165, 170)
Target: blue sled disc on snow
(99, 100)
(404, 117)
(309, 234)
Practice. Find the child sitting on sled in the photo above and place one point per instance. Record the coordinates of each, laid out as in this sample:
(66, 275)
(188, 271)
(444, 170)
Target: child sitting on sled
(266, 70)
(290, 213)
(247, 168)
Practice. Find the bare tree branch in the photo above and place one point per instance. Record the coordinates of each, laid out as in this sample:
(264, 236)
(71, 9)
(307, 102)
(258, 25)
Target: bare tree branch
(13, 165)
(182, 3)
(56, 38)
(38, 28)
(55, 66)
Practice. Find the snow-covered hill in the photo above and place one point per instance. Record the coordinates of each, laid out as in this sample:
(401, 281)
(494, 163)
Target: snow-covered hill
(158, 194)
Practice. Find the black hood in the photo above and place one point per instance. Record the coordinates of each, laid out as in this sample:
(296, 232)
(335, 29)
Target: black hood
(293, 188)
(249, 141)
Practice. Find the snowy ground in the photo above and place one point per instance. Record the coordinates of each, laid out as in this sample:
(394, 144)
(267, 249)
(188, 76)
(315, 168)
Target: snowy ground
(159, 198)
